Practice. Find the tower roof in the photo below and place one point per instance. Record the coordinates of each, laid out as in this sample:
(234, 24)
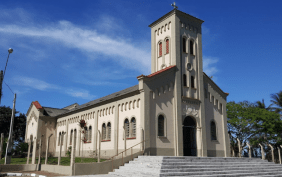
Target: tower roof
(175, 11)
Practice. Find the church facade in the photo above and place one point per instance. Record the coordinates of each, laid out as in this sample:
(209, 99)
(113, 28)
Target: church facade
(177, 110)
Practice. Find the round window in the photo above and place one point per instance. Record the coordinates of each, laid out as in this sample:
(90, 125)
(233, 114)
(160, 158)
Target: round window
(189, 66)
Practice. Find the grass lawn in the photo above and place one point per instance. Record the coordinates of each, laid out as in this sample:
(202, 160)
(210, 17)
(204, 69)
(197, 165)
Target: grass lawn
(52, 160)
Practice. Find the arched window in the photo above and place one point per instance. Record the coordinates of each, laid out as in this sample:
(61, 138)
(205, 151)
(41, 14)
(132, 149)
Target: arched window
(161, 125)
(184, 80)
(74, 134)
(109, 131)
(90, 134)
(192, 82)
(191, 47)
(213, 131)
(184, 44)
(160, 49)
(133, 127)
(104, 131)
(126, 127)
(71, 134)
(167, 46)
(59, 139)
(86, 134)
(62, 137)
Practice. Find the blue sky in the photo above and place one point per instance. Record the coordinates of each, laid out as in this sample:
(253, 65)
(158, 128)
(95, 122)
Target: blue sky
(76, 51)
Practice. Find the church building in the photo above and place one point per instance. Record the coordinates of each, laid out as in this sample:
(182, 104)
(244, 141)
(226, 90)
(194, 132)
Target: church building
(177, 110)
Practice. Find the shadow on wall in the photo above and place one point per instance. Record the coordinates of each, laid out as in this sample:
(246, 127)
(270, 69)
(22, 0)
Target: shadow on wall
(103, 167)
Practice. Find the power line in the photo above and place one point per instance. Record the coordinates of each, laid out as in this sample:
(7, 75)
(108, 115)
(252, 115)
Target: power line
(9, 87)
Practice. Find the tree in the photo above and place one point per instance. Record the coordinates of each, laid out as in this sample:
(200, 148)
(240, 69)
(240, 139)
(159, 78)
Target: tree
(19, 124)
(250, 123)
(262, 105)
(240, 122)
(277, 101)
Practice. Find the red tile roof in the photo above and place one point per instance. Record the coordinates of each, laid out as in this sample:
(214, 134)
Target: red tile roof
(158, 72)
(37, 105)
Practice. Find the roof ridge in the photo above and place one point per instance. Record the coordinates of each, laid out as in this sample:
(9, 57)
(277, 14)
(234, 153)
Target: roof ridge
(157, 72)
(101, 99)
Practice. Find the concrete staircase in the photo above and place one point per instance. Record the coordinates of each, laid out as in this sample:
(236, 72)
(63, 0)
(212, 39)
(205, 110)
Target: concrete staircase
(197, 166)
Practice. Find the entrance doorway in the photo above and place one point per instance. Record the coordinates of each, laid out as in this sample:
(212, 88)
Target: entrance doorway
(189, 137)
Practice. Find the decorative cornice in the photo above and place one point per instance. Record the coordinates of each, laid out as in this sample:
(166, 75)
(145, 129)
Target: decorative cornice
(223, 94)
(33, 115)
(190, 100)
(178, 12)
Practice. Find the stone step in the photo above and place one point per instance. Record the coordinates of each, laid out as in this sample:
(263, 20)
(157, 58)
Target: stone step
(241, 172)
(220, 169)
(199, 169)
(135, 173)
(215, 166)
(236, 174)
(195, 157)
(211, 160)
(215, 163)
(144, 166)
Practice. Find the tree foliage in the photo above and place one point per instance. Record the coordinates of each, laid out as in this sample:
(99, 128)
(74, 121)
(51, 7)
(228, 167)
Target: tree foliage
(277, 101)
(19, 123)
(252, 123)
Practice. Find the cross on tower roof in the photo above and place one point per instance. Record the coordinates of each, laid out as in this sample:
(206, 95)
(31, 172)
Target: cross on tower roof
(174, 6)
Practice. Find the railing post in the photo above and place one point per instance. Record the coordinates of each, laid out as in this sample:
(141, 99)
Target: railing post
(1, 143)
(131, 154)
(39, 154)
(28, 152)
(99, 146)
(262, 152)
(272, 152)
(124, 134)
(239, 146)
(279, 153)
(112, 164)
(250, 151)
(122, 158)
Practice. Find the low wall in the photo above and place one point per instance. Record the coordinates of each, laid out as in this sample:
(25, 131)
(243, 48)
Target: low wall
(64, 170)
(10, 168)
(101, 168)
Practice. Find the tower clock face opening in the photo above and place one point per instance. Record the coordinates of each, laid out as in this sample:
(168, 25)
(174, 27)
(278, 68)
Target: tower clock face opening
(189, 66)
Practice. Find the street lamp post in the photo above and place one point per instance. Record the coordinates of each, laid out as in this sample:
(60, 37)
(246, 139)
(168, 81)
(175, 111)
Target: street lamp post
(3, 74)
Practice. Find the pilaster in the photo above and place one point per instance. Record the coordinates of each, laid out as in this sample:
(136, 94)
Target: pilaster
(226, 141)
(116, 128)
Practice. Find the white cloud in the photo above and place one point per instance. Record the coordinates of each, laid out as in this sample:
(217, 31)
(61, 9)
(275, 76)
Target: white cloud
(209, 65)
(44, 86)
(87, 41)
(34, 83)
(80, 93)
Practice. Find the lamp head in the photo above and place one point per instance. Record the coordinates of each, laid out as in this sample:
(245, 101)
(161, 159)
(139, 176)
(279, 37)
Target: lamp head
(10, 50)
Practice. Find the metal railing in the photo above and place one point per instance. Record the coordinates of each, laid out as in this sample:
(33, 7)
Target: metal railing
(112, 158)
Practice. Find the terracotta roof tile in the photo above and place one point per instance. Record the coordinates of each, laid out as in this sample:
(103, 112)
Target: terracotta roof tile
(37, 105)
(158, 72)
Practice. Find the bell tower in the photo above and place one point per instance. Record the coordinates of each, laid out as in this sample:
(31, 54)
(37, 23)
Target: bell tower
(176, 39)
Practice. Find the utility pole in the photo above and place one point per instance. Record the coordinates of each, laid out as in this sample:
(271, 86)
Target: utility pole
(1, 80)
(8, 154)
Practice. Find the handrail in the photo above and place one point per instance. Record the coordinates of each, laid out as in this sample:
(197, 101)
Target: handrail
(112, 158)
(127, 149)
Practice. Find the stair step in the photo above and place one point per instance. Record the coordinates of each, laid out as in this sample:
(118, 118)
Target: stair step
(144, 166)
(241, 172)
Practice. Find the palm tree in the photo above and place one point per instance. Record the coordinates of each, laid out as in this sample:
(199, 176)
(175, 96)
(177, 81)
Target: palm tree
(277, 101)
(260, 104)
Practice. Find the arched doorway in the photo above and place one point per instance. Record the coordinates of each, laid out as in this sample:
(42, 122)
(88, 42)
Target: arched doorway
(189, 137)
